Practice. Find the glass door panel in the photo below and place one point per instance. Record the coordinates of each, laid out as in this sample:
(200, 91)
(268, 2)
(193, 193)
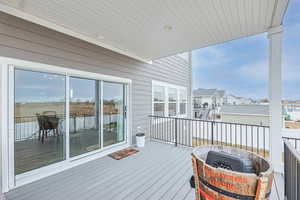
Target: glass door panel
(84, 116)
(39, 119)
(113, 113)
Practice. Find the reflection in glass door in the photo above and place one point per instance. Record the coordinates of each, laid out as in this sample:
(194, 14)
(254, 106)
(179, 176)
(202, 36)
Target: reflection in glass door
(84, 121)
(96, 117)
(113, 113)
(39, 119)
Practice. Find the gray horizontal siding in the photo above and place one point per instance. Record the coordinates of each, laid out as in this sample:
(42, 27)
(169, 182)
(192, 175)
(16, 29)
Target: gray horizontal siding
(28, 41)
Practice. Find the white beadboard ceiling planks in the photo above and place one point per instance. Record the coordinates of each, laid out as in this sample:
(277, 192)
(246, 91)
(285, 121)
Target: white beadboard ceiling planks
(151, 29)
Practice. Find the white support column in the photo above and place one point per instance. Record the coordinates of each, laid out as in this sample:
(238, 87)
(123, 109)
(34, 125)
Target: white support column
(1, 127)
(275, 54)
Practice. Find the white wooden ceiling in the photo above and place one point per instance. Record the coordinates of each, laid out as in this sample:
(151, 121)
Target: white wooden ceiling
(150, 29)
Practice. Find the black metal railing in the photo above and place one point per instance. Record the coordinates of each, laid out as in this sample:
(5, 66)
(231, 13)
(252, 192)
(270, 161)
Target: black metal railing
(27, 127)
(295, 142)
(195, 132)
(291, 171)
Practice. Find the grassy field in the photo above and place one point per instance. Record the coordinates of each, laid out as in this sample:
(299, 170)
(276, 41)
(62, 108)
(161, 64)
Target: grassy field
(292, 124)
(26, 112)
(202, 142)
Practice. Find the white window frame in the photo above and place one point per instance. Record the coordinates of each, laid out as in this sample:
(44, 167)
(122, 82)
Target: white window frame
(9, 180)
(176, 101)
(167, 86)
(164, 100)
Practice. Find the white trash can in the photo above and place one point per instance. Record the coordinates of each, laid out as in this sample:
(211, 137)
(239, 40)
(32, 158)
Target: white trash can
(140, 139)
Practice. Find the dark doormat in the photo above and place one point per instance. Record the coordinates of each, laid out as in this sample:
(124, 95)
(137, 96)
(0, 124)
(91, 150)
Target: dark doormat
(123, 153)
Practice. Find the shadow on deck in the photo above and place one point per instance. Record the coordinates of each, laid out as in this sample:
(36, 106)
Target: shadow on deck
(158, 171)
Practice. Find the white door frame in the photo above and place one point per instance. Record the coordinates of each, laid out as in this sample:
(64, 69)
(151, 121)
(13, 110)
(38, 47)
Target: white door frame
(9, 180)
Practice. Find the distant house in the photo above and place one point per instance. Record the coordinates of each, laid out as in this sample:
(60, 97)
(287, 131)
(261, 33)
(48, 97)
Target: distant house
(291, 110)
(208, 98)
(234, 100)
(245, 114)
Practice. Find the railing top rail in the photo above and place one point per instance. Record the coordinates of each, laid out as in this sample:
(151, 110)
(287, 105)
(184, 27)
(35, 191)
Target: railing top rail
(34, 116)
(201, 120)
(292, 149)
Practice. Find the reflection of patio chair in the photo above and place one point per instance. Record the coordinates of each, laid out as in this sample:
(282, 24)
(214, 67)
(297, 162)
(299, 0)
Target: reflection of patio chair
(47, 123)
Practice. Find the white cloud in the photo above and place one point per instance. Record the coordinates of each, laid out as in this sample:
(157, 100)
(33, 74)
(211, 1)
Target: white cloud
(209, 56)
(255, 71)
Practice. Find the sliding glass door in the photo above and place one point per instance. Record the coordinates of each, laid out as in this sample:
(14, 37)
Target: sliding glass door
(84, 124)
(113, 113)
(58, 117)
(39, 119)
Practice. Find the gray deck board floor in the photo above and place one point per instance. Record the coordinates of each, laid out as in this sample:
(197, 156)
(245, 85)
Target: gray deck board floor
(158, 171)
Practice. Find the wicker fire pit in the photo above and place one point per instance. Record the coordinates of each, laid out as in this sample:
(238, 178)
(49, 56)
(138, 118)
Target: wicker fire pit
(221, 184)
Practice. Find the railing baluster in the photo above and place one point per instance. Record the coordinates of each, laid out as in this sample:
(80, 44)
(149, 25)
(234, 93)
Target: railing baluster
(221, 133)
(217, 129)
(264, 142)
(212, 133)
(230, 134)
(241, 137)
(226, 142)
(176, 134)
(235, 128)
(251, 138)
(246, 137)
(187, 134)
(150, 130)
(192, 131)
(257, 135)
(163, 129)
(197, 135)
(202, 133)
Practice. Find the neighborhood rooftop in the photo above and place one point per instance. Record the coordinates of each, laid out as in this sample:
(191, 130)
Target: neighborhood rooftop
(208, 92)
(245, 109)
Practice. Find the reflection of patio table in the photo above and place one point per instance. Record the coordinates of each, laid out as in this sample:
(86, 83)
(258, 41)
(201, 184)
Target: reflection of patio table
(47, 124)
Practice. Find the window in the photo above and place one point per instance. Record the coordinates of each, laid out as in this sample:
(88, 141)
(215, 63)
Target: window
(172, 104)
(39, 119)
(169, 100)
(159, 100)
(182, 102)
(84, 116)
(113, 113)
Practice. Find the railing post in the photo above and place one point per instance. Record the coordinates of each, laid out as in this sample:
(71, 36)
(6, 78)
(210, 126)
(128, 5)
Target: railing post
(84, 121)
(176, 134)
(212, 132)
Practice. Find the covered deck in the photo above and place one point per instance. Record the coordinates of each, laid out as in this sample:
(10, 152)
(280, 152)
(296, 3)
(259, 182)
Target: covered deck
(158, 171)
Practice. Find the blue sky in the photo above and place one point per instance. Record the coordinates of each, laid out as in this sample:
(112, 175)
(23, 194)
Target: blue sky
(241, 66)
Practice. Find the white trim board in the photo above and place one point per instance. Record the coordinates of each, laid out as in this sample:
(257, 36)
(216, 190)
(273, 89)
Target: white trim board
(4, 128)
(64, 165)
